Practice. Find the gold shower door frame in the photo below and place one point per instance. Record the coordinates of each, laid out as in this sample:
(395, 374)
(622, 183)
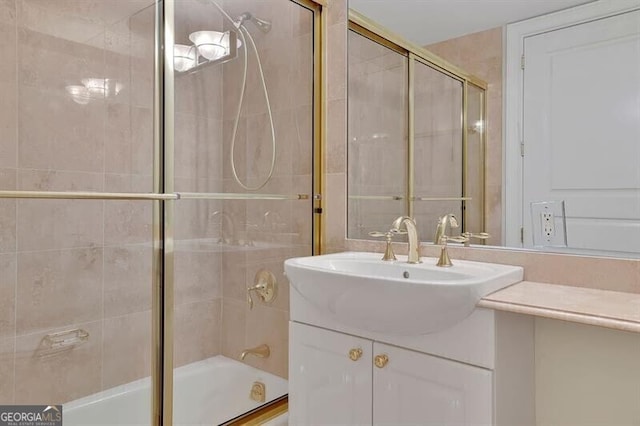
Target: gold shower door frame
(365, 27)
(163, 226)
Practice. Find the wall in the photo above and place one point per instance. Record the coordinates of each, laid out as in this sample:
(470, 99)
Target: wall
(481, 54)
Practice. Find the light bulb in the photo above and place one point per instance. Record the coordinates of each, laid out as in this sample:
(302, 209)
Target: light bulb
(212, 45)
(184, 57)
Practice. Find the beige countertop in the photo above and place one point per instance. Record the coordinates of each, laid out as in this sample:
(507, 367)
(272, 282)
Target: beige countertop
(611, 309)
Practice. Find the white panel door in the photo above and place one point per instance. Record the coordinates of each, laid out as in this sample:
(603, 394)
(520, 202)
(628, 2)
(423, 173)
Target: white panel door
(419, 389)
(582, 130)
(327, 387)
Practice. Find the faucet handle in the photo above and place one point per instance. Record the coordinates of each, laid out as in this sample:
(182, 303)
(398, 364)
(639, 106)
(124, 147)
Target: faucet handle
(265, 285)
(388, 253)
(479, 235)
(460, 239)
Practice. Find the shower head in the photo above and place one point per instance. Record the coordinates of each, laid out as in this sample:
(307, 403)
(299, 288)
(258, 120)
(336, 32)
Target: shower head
(262, 24)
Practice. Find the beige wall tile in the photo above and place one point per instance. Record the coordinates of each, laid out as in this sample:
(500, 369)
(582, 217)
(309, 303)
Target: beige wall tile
(197, 331)
(6, 370)
(57, 288)
(233, 327)
(7, 47)
(8, 11)
(128, 222)
(336, 208)
(337, 12)
(302, 150)
(197, 276)
(68, 136)
(8, 122)
(234, 276)
(337, 62)
(55, 180)
(127, 349)
(127, 279)
(129, 136)
(8, 265)
(58, 224)
(336, 147)
(62, 377)
(7, 212)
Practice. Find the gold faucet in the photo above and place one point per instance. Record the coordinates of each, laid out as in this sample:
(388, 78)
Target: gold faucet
(414, 244)
(441, 238)
(261, 351)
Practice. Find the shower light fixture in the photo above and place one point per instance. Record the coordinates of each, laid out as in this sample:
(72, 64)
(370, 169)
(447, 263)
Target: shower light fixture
(209, 47)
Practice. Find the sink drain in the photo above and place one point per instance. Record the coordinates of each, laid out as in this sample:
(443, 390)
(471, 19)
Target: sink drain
(405, 274)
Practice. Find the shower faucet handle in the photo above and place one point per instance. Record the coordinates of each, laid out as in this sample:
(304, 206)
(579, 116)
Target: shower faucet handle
(265, 284)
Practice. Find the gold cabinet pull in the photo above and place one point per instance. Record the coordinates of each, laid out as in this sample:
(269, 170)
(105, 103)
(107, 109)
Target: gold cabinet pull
(355, 354)
(381, 360)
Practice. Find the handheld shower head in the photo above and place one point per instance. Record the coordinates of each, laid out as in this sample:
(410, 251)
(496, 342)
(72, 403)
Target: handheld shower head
(262, 24)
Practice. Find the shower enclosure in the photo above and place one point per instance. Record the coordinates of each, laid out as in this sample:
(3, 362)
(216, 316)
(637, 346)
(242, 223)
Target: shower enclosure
(158, 163)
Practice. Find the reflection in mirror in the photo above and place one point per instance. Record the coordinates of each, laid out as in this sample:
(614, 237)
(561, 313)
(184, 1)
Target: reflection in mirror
(378, 136)
(560, 158)
(409, 135)
(437, 147)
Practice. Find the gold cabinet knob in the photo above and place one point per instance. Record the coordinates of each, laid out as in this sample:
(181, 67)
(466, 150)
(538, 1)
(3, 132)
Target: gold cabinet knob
(381, 360)
(355, 354)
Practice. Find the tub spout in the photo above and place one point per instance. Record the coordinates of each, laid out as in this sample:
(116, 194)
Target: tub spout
(261, 351)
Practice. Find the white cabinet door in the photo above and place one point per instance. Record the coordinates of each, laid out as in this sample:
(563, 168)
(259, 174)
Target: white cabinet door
(327, 387)
(419, 389)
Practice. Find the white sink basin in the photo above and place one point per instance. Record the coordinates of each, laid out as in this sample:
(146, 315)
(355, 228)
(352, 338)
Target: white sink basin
(360, 290)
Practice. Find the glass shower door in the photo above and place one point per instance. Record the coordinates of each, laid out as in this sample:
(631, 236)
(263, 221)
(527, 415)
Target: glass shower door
(76, 223)
(245, 117)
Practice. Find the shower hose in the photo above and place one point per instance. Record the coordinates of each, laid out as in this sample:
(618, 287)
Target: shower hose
(242, 31)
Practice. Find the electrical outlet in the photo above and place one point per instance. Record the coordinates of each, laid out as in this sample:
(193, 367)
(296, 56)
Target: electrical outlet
(549, 227)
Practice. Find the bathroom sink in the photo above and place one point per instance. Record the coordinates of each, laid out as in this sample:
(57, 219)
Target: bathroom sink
(359, 290)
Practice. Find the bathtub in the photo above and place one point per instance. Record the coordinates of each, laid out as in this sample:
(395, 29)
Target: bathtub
(207, 392)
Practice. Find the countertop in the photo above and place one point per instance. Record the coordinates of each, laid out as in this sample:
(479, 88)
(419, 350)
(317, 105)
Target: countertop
(604, 308)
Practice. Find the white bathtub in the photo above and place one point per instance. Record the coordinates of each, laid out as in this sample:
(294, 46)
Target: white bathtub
(207, 392)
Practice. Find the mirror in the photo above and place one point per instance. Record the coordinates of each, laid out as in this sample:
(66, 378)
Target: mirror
(556, 163)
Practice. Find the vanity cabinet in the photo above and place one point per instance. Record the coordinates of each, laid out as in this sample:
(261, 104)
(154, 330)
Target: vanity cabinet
(339, 379)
